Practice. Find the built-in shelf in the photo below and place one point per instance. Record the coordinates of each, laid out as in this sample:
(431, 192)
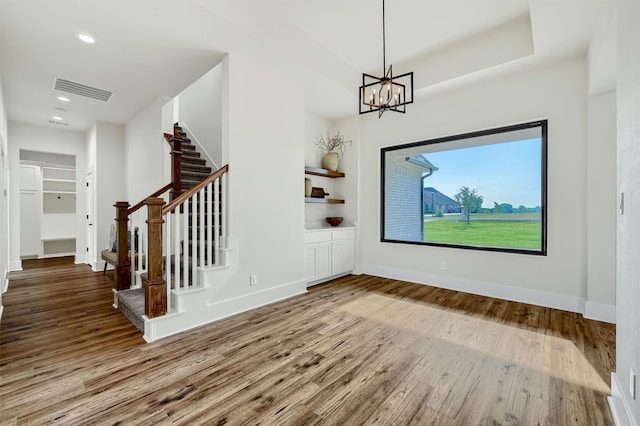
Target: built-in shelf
(315, 171)
(58, 192)
(59, 180)
(58, 219)
(59, 238)
(322, 200)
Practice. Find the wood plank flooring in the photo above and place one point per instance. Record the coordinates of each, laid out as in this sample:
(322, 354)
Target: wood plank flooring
(357, 350)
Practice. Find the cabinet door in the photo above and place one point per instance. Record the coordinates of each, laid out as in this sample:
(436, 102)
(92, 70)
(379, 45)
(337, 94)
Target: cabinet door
(342, 256)
(29, 178)
(324, 260)
(29, 224)
(317, 259)
(337, 257)
(310, 261)
(348, 255)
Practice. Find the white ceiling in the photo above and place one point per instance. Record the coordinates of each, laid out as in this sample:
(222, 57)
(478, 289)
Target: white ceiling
(146, 49)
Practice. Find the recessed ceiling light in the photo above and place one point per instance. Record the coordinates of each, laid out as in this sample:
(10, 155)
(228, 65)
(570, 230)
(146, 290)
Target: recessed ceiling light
(86, 38)
(63, 98)
(57, 118)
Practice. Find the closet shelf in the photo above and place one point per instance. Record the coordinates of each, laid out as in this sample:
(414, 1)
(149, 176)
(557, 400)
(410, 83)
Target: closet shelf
(58, 180)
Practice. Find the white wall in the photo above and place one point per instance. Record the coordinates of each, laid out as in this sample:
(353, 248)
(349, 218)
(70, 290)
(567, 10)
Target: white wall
(105, 145)
(601, 204)
(557, 92)
(44, 139)
(4, 201)
(628, 236)
(145, 152)
(200, 113)
(266, 206)
(93, 256)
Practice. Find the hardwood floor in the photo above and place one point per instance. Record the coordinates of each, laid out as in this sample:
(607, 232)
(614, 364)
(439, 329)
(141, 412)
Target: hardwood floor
(358, 350)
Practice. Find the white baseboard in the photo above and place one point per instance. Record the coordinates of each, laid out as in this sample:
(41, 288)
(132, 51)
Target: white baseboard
(618, 405)
(1, 311)
(173, 323)
(98, 266)
(600, 312)
(78, 259)
(5, 282)
(15, 265)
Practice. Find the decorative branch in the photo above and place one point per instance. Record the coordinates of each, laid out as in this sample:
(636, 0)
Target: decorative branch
(332, 143)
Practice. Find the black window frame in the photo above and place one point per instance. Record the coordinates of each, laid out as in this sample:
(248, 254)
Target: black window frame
(543, 124)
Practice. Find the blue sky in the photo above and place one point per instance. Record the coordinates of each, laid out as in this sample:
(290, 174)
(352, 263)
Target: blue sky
(502, 173)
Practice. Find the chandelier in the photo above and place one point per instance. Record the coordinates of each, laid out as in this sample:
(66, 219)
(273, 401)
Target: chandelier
(388, 93)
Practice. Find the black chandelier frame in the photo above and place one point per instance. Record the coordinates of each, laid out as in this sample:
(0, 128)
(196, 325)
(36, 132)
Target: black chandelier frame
(399, 89)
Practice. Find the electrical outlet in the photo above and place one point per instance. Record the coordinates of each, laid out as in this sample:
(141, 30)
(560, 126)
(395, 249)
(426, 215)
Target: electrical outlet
(253, 280)
(632, 383)
(443, 265)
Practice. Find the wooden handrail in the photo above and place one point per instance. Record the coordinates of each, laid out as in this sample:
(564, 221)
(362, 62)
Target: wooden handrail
(182, 198)
(139, 205)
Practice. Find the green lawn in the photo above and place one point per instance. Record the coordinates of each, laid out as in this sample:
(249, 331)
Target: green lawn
(523, 234)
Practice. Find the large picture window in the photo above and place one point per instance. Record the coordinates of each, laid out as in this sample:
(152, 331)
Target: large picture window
(484, 190)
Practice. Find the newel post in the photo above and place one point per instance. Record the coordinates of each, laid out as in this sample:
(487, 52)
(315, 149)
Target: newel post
(176, 160)
(155, 287)
(123, 268)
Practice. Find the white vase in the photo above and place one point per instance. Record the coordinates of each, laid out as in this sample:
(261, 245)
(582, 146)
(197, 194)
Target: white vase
(330, 161)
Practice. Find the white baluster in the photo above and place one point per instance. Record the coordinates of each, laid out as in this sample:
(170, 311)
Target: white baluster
(223, 201)
(210, 216)
(216, 222)
(141, 233)
(133, 219)
(194, 240)
(167, 262)
(176, 249)
(185, 246)
(202, 228)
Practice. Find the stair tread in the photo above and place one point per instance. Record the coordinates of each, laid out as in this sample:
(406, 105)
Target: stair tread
(198, 168)
(194, 161)
(193, 176)
(188, 153)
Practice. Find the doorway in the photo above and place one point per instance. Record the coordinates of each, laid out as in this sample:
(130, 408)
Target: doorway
(47, 205)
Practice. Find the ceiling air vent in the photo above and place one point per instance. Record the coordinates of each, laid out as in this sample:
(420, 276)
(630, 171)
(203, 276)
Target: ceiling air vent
(59, 123)
(82, 89)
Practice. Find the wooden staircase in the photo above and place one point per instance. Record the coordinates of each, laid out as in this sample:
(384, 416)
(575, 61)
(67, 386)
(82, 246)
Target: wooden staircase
(193, 168)
(189, 170)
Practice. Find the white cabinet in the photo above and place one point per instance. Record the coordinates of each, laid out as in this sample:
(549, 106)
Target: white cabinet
(329, 253)
(318, 260)
(342, 250)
